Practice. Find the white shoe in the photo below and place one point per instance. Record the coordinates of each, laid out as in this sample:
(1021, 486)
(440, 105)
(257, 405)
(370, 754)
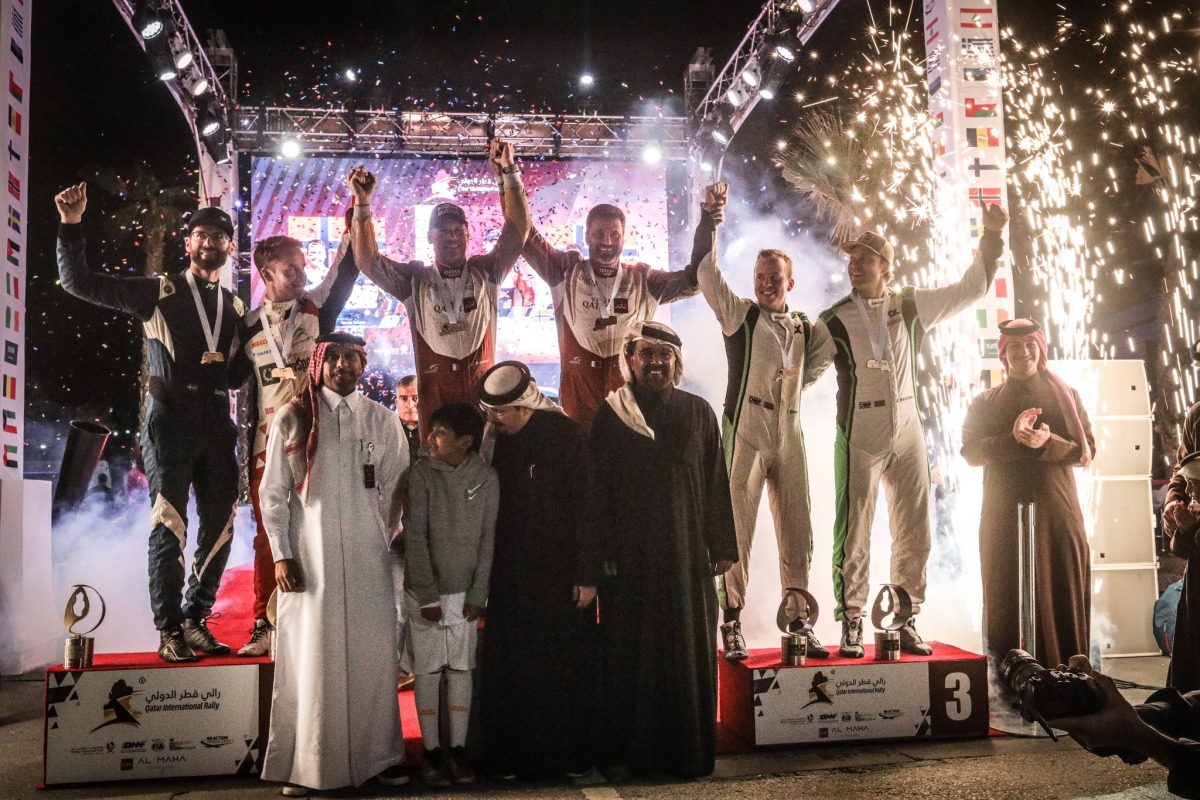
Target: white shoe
(294, 790)
(260, 640)
(852, 638)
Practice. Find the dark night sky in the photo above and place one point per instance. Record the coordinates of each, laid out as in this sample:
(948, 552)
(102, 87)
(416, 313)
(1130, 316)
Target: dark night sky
(95, 101)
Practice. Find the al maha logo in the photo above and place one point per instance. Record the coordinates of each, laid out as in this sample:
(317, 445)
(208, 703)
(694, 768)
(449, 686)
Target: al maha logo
(117, 710)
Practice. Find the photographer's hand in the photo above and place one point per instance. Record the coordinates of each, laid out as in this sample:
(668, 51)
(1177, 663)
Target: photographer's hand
(1116, 725)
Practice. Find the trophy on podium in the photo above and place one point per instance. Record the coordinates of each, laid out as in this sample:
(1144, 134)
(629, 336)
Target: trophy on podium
(79, 648)
(797, 615)
(896, 601)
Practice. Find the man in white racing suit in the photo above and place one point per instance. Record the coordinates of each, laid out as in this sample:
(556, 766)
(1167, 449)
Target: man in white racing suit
(773, 354)
(876, 335)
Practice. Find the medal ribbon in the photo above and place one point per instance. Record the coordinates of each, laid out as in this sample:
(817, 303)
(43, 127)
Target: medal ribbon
(209, 336)
(876, 329)
(612, 295)
(452, 299)
(287, 339)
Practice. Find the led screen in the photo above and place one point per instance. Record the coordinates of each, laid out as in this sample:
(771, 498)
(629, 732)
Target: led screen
(307, 199)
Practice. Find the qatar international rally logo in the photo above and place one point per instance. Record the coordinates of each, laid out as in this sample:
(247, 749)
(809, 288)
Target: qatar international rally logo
(117, 710)
(817, 693)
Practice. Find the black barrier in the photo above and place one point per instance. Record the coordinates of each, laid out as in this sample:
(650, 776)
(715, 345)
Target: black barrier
(85, 444)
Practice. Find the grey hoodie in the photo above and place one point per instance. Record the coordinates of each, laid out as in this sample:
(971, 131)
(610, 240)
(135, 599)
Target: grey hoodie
(450, 528)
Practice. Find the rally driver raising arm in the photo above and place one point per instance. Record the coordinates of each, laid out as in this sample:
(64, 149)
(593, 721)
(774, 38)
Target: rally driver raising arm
(452, 304)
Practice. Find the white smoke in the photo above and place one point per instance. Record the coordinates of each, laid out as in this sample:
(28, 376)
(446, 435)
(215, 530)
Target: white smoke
(105, 545)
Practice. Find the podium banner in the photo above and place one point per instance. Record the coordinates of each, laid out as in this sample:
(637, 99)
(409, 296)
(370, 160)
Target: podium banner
(124, 724)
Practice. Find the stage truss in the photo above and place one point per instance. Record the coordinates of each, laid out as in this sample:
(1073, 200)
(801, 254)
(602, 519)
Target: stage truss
(263, 130)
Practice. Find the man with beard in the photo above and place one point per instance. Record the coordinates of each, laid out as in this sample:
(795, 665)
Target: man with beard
(280, 336)
(773, 355)
(876, 334)
(667, 528)
(188, 436)
(537, 680)
(1029, 433)
(599, 299)
(452, 304)
(334, 460)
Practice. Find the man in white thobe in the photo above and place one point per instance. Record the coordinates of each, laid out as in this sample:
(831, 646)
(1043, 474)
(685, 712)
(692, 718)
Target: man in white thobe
(334, 459)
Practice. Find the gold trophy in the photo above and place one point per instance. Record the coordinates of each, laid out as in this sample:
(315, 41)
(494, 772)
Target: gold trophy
(77, 654)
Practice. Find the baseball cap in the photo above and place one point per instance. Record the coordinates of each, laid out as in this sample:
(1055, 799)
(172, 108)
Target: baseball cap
(213, 217)
(444, 213)
(873, 241)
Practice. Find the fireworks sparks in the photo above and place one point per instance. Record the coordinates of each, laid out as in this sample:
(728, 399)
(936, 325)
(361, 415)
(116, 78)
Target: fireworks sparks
(1102, 167)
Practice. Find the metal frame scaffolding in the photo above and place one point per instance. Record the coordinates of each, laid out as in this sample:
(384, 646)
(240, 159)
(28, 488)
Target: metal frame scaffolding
(427, 133)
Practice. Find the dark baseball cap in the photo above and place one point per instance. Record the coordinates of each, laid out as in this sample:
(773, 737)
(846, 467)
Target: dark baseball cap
(212, 217)
(444, 213)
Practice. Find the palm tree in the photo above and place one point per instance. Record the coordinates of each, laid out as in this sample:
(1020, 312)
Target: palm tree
(150, 212)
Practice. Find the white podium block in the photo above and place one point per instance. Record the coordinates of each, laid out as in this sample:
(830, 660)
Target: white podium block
(1123, 528)
(1122, 608)
(31, 631)
(1123, 447)
(1108, 388)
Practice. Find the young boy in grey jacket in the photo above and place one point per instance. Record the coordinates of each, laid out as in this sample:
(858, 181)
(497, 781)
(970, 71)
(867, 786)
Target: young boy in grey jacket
(453, 497)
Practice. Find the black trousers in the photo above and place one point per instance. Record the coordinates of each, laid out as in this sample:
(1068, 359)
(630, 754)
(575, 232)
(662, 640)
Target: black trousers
(189, 451)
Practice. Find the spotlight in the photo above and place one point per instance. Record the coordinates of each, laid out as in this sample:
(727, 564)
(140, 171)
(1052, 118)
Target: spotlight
(290, 148)
(160, 59)
(752, 75)
(195, 83)
(722, 131)
(586, 79)
(210, 119)
(181, 56)
(737, 96)
(350, 75)
(709, 157)
(148, 21)
(652, 153)
(218, 151)
(783, 48)
(776, 73)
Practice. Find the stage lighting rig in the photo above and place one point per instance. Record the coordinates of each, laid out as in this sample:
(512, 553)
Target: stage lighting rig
(759, 65)
(160, 59)
(148, 20)
(752, 74)
(181, 56)
(195, 83)
(773, 77)
(720, 129)
(738, 95)
(210, 122)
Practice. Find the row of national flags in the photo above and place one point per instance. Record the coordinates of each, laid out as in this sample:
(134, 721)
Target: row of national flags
(15, 18)
(962, 56)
